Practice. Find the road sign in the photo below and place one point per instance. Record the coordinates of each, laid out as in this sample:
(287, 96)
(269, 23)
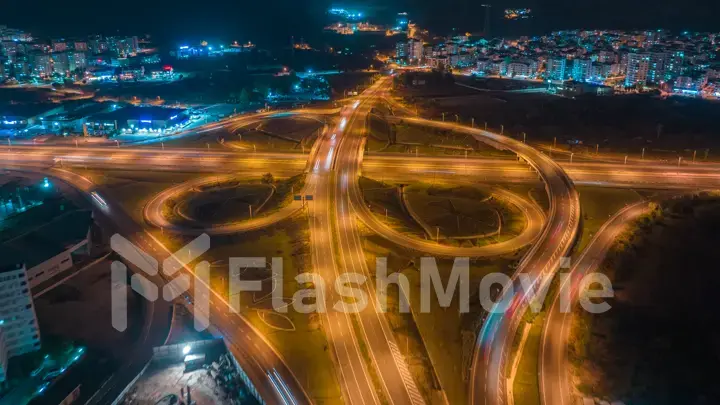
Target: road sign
(297, 197)
(309, 197)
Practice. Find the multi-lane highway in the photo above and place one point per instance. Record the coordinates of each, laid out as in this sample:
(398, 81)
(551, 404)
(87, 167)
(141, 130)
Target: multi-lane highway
(397, 167)
(337, 251)
(394, 375)
(555, 385)
(379, 374)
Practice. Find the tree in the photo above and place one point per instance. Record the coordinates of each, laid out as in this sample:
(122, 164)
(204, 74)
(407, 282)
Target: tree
(268, 178)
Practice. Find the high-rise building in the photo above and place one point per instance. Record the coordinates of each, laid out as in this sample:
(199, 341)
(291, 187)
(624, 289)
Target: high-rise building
(401, 50)
(675, 65)
(415, 51)
(638, 65)
(18, 322)
(581, 69)
(42, 65)
(556, 68)
(21, 67)
(76, 60)
(4, 74)
(656, 67)
(61, 63)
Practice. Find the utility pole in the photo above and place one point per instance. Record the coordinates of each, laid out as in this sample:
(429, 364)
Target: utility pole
(472, 122)
(679, 160)
(437, 234)
(443, 115)
(486, 125)
(694, 153)
(457, 118)
(571, 155)
(642, 157)
(597, 149)
(250, 207)
(625, 159)
(524, 137)
(502, 129)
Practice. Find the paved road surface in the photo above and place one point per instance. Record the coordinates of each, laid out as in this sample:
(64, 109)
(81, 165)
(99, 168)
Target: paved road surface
(555, 385)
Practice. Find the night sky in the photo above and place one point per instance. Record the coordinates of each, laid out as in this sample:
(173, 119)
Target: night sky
(273, 22)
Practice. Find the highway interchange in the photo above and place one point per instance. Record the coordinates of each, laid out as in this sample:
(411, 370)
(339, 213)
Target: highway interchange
(333, 168)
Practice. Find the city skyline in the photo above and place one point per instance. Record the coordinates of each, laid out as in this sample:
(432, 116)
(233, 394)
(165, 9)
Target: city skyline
(229, 20)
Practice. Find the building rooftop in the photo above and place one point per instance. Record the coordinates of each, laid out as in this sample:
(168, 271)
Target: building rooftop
(139, 113)
(42, 243)
(82, 111)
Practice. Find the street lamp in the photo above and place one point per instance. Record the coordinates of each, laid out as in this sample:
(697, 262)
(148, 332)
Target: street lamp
(571, 155)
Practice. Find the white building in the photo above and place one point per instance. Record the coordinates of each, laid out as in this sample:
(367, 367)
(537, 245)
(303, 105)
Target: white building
(638, 65)
(519, 69)
(18, 322)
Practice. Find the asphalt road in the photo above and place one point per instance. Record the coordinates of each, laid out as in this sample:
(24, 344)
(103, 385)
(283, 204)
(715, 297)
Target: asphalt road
(393, 372)
(254, 353)
(634, 174)
(153, 212)
(555, 385)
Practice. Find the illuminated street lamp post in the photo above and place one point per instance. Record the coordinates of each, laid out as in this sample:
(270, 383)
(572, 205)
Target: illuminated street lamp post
(457, 118)
(472, 122)
(117, 143)
(625, 159)
(486, 125)
(524, 137)
(571, 155)
(443, 115)
(502, 129)
(694, 154)
(642, 157)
